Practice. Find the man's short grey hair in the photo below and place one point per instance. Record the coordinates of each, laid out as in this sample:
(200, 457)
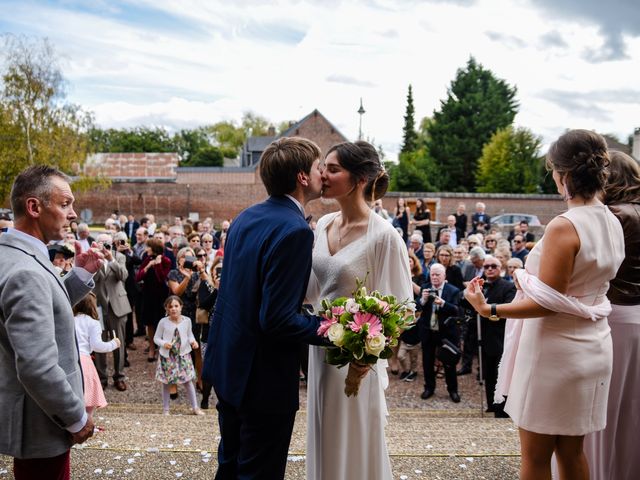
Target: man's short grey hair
(83, 227)
(104, 238)
(35, 182)
(179, 242)
(438, 266)
(120, 236)
(477, 252)
(416, 237)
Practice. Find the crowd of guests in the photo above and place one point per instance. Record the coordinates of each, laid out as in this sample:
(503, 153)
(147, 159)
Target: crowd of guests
(154, 275)
(446, 335)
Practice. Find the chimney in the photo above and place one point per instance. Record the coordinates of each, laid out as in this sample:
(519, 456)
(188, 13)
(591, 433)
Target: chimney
(635, 147)
(271, 131)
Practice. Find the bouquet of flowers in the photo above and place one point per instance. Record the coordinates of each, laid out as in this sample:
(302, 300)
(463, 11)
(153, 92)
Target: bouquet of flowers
(363, 329)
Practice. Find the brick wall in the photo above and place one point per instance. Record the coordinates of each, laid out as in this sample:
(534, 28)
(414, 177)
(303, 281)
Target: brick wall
(132, 165)
(225, 200)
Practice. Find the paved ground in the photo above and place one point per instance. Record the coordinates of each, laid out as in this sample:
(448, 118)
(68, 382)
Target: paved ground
(433, 439)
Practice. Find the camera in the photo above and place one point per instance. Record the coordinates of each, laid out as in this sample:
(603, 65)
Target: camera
(122, 242)
(106, 246)
(433, 292)
(189, 262)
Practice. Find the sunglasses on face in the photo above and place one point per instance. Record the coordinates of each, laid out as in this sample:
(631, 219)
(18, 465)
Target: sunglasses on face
(207, 241)
(517, 241)
(202, 255)
(492, 265)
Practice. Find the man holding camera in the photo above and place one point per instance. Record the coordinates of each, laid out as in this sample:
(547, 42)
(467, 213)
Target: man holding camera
(115, 306)
(439, 305)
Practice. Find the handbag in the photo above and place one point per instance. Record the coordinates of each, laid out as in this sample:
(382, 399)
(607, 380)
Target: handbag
(448, 353)
(202, 316)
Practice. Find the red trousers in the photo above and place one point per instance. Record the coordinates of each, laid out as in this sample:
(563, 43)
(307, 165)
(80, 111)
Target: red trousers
(53, 468)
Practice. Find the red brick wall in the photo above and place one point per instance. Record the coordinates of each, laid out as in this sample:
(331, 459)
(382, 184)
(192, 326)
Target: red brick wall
(225, 200)
(141, 165)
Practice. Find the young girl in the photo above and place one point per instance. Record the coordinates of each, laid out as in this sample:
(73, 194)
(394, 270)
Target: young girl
(175, 339)
(89, 334)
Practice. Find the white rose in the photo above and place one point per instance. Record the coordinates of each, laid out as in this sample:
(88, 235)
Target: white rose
(352, 306)
(336, 334)
(375, 345)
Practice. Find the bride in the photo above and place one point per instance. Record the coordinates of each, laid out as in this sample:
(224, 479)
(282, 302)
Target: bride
(345, 435)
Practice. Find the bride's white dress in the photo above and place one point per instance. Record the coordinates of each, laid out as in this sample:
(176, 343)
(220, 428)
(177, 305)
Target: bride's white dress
(345, 435)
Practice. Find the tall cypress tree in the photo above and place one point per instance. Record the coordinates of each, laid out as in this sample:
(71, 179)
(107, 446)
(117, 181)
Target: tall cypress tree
(477, 105)
(409, 135)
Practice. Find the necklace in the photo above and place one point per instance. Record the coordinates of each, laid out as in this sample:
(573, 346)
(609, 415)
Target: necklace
(348, 231)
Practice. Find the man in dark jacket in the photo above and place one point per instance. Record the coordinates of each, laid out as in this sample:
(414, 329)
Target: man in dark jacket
(496, 290)
(439, 306)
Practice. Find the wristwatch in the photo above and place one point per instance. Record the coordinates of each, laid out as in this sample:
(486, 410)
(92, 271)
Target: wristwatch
(494, 314)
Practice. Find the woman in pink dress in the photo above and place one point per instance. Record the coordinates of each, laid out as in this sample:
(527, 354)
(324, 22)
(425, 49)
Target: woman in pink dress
(612, 453)
(556, 368)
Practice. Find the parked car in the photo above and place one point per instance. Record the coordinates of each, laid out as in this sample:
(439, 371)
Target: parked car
(508, 219)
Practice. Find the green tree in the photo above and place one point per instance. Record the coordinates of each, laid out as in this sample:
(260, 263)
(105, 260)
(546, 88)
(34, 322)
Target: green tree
(415, 172)
(477, 105)
(510, 162)
(36, 125)
(409, 135)
(209, 156)
(133, 140)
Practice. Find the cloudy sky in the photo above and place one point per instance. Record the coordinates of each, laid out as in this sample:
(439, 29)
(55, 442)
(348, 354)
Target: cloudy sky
(184, 63)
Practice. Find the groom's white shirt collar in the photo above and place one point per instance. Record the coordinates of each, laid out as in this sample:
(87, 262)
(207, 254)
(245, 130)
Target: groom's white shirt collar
(298, 204)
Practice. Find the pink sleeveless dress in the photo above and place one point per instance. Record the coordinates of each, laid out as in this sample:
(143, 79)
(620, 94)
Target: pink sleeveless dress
(563, 364)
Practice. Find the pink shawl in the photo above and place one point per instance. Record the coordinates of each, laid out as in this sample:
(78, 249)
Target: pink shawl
(545, 296)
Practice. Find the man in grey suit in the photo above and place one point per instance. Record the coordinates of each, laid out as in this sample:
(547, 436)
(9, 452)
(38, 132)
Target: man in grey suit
(42, 411)
(115, 306)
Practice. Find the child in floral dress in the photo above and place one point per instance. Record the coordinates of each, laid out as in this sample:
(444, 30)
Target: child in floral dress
(175, 339)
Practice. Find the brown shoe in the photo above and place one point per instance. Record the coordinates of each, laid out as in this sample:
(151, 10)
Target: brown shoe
(120, 385)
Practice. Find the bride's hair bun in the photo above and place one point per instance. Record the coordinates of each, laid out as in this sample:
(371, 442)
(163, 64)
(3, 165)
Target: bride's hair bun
(582, 155)
(361, 159)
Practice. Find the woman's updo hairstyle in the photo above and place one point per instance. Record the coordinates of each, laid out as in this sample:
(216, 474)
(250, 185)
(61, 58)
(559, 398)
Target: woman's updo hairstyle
(362, 161)
(582, 156)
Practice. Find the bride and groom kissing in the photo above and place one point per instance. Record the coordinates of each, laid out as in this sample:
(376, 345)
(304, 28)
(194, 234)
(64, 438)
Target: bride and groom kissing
(272, 263)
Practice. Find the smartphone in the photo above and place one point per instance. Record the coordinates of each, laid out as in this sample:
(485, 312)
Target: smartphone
(189, 262)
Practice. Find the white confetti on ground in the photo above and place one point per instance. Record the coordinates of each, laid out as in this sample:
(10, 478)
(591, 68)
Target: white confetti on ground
(109, 472)
(178, 474)
(403, 477)
(418, 471)
(153, 449)
(117, 457)
(462, 465)
(169, 445)
(295, 458)
(429, 446)
(97, 471)
(128, 470)
(131, 460)
(172, 462)
(469, 459)
(137, 454)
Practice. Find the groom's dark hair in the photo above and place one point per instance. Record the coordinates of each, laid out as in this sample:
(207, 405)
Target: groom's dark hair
(283, 159)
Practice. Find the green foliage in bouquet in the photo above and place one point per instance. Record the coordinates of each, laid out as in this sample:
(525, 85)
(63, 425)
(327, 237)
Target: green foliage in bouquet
(365, 327)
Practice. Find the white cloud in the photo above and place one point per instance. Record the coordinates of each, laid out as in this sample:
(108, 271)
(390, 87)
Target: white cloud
(191, 62)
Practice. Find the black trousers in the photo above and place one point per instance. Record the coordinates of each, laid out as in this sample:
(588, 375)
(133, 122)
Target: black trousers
(254, 445)
(430, 343)
(469, 342)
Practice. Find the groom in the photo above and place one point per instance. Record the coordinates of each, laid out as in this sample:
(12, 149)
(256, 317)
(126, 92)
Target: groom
(252, 358)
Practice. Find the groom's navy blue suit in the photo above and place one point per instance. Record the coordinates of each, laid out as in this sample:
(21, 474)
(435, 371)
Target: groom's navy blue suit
(252, 356)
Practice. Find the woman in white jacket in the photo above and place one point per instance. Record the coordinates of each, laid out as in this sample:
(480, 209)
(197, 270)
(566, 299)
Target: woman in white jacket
(175, 339)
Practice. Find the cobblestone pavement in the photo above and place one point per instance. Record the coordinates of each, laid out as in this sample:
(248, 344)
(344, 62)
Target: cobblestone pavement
(433, 439)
